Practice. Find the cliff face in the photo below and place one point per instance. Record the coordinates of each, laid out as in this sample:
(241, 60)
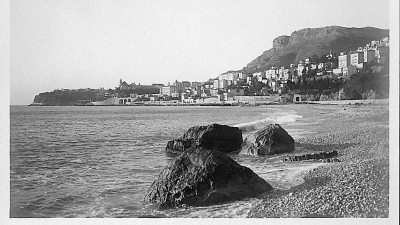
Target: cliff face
(280, 42)
(307, 42)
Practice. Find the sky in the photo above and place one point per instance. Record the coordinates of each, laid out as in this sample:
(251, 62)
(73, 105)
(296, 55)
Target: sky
(74, 44)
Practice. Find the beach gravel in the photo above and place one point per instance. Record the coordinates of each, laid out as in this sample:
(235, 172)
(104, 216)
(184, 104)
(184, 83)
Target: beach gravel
(358, 185)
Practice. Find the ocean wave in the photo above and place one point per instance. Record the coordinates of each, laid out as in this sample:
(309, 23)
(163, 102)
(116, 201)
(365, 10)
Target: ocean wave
(233, 209)
(259, 124)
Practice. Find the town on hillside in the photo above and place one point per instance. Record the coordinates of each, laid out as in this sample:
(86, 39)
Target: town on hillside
(358, 74)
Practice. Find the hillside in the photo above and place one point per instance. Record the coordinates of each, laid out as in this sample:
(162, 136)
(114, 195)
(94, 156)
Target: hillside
(60, 98)
(307, 42)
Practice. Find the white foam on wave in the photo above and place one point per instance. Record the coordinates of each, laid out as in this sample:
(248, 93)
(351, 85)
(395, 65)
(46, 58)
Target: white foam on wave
(235, 209)
(285, 176)
(281, 118)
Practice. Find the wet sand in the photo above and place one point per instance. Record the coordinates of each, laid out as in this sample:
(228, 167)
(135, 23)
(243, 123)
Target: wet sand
(358, 185)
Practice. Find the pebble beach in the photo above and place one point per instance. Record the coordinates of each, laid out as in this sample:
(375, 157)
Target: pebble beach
(355, 187)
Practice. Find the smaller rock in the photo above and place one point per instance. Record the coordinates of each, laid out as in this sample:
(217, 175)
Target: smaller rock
(273, 139)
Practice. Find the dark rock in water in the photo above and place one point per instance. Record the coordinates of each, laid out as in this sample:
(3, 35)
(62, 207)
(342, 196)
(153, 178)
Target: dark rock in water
(217, 137)
(322, 156)
(271, 140)
(201, 177)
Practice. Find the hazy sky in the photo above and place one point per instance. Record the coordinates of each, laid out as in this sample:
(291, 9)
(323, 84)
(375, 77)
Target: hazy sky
(93, 43)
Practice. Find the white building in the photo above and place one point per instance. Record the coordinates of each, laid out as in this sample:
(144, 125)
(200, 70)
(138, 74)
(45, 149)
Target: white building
(271, 73)
(301, 67)
(216, 83)
(259, 75)
(283, 73)
(214, 92)
(169, 90)
(357, 59)
(223, 84)
(344, 60)
(243, 76)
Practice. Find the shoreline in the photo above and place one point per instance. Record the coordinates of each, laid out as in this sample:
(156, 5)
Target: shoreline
(241, 104)
(358, 186)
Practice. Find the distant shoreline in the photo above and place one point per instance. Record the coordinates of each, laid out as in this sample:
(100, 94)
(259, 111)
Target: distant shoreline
(341, 102)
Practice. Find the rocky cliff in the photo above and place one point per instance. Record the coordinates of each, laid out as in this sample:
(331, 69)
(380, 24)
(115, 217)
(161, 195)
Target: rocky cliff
(280, 42)
(307, 42)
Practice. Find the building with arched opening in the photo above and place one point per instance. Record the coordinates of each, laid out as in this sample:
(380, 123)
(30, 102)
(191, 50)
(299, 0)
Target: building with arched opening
(296, 98)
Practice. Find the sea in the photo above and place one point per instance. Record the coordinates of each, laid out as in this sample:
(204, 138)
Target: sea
(98, 162)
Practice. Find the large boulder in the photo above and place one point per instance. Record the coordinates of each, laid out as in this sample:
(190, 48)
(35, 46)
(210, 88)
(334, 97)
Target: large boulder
(272, 139)
(202, 177)
(217, 137)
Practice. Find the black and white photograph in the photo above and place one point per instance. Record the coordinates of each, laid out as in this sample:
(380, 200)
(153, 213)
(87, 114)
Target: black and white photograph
(266, 111)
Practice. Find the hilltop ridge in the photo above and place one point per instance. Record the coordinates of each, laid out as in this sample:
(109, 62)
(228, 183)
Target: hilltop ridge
(307, 42)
